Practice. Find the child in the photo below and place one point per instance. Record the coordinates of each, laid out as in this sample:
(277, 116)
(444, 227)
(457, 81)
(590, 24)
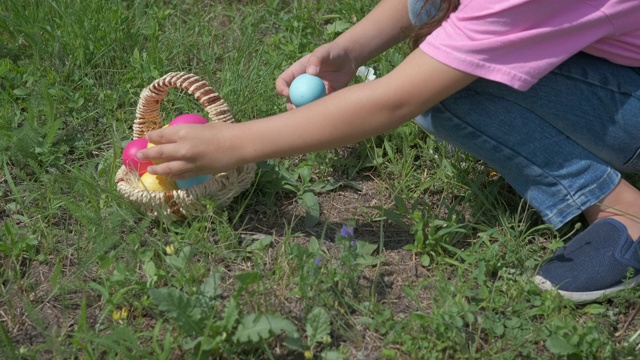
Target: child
(547, 92)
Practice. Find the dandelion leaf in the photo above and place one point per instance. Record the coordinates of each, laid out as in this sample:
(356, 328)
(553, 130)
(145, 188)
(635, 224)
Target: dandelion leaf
(257, 327)
(318, 325)
(179, 307)
(560, 346)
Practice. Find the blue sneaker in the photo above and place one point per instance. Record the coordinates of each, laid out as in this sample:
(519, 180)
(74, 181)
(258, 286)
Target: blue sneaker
(600, 260)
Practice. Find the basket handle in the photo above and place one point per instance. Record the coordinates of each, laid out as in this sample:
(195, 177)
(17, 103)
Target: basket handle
(148, 115)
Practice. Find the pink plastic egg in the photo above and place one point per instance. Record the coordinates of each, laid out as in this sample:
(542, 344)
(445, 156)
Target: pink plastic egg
(188, 119)
(129, 158)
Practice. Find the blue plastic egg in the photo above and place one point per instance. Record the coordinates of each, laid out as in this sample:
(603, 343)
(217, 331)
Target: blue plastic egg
(197, 180)
(305, 89)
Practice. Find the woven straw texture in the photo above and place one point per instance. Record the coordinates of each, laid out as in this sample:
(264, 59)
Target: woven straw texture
(180, 204)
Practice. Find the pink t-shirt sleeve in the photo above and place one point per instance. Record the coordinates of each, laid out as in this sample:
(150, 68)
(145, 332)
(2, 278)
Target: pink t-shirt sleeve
(516, 42)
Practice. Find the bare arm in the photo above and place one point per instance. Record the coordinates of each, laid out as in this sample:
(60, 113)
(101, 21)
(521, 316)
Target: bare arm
(354, 113)
(344, 117)
(386, 25)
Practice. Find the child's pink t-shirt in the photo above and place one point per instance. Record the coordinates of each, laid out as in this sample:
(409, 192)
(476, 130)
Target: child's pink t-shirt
(516, 42)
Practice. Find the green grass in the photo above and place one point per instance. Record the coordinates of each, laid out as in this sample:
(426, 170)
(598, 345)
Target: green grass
(444, 253)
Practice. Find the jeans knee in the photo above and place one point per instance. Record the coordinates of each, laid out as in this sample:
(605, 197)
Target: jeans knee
(436, 122)
(420, 14)
(630, 167)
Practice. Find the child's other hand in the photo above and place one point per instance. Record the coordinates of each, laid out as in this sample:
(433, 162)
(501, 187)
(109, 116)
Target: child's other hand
(331, 62)
(186, 151)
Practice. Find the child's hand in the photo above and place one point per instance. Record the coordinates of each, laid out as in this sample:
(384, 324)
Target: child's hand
(190, 150)
(331, 62)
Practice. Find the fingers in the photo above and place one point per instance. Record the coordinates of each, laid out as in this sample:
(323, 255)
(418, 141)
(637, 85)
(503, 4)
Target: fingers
(175, 170)
(286, 78)
(283, 81)
(310, 64)
(315, 61)
(160, 153)
(167, 137)
(282, 85)
(162, 136)
(168, 162)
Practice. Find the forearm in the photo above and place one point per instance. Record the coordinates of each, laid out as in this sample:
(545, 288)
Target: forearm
(331, 122)
(386, 25)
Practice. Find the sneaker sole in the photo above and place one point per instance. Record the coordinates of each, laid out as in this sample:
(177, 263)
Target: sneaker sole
(587, 296)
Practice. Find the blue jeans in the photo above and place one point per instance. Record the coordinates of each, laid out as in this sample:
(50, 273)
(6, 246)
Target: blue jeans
(561, 144)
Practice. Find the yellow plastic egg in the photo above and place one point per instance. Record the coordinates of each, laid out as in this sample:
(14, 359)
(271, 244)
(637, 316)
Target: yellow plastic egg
(149, 145)
(152, 182)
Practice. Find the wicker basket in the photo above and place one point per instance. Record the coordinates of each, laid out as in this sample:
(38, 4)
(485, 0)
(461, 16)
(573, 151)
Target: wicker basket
(180, 204)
